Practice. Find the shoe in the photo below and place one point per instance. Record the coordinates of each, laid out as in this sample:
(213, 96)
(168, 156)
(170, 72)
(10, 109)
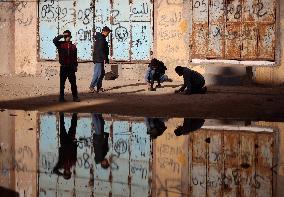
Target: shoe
(100, 90)
(61, 100)
(169, 80)
(76, 99)
(151, 89)
(203, 90)
(91, 90)
(158, 86)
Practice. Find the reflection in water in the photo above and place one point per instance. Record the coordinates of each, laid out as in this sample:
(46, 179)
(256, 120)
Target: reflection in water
(103, 155)
(68, 147)
(100, 140)
(189, 125)
(155, 127)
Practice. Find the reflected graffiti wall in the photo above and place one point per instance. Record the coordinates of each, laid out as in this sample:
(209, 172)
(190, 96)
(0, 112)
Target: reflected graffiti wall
(59, 154)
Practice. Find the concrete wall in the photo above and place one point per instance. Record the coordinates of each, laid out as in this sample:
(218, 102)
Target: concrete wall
(18, 152)
(26, 39)
(7, 135)
(172, 30)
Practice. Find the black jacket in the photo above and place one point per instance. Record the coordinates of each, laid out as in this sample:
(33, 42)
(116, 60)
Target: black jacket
(101, 50)
(67, 52)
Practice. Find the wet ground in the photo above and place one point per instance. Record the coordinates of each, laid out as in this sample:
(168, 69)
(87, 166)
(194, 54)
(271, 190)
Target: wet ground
(92, 154)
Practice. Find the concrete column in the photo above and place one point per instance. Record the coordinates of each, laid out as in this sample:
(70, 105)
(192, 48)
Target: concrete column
(26, 37)
(7, 46)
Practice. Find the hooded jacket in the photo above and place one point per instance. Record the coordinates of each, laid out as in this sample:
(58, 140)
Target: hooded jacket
(101, 49)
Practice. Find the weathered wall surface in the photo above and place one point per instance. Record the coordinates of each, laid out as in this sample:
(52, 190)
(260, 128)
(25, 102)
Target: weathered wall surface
(26, 152)
(201, 161)
(172, 41)
(7, 20)
(18, 157)
(26, 38)
(274, 75)
(172, 33)
(7, 178)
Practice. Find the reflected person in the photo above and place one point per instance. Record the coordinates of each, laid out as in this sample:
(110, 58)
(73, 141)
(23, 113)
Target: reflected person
(100, 140)
(189, 125)
(155, 127)
(68, 147)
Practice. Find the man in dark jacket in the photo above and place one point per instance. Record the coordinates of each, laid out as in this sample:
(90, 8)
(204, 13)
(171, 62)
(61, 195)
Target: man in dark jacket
(100, 140)
(155, 72)
(193, 81)
(100, 57)
(68, 61)
(68, 147)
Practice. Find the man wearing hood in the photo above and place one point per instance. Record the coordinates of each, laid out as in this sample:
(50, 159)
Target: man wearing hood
(100, 57)
(68, 60)
(194, 82)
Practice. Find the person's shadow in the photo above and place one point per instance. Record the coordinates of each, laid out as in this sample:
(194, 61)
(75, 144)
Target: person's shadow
(68, 147)
(189, 125)
(155, 127)
(100, 140)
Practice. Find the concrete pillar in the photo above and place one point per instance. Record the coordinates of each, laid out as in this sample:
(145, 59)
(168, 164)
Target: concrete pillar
(26, 153)
(7, 46)
(7, 135)
(26, 37)
(171, 37)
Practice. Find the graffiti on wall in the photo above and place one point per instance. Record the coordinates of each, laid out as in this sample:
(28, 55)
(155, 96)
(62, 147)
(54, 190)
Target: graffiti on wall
(14, 12)
(128, 154)
(131, 39)
(242, 30)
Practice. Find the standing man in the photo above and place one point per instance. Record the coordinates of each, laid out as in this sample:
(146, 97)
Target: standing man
(68, 61)
(100, 57)
(193, 81)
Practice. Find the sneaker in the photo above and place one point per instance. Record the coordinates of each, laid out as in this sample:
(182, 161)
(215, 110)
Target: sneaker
(169, 80)
(151, 89)
(203, 90)
(91, 90)
(61, 100)
(76, 99)
(100, 90)
(158, 86)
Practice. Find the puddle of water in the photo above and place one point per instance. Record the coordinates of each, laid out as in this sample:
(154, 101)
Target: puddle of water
(65, 154)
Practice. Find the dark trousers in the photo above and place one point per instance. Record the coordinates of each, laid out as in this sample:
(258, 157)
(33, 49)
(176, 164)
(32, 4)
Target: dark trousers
(68, 72)
(154, 76)
(196, 88)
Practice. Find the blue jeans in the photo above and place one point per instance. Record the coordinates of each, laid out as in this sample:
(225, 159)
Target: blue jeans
(99, 73)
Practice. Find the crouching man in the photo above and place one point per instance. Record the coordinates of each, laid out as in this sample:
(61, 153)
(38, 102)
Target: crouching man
(155, 72)
(193, 81)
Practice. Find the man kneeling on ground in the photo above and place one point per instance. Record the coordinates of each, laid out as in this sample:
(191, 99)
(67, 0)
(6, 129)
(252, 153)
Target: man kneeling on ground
(193, 81)
(156, 72)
